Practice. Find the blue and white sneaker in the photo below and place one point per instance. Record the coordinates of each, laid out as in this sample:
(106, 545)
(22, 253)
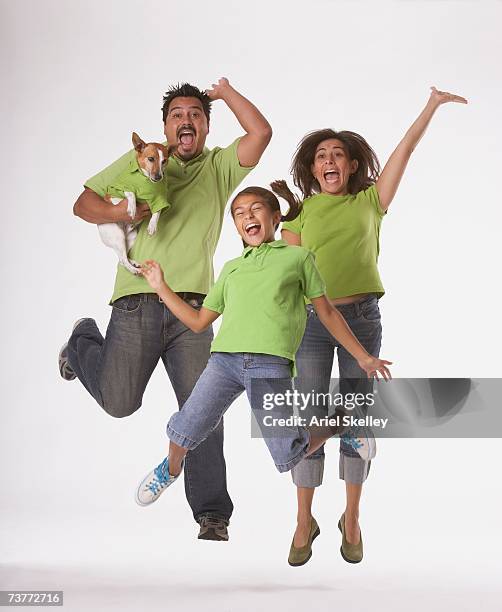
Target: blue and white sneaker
(363, 442)
(155, 483)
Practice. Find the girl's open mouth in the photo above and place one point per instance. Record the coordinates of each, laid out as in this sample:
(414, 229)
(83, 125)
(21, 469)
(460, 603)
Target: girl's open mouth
(252, 229)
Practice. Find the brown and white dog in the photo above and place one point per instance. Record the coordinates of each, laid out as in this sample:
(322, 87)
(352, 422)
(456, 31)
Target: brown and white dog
(120, 236)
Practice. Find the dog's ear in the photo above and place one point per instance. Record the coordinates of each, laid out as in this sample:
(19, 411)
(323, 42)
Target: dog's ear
(137, 143)
(168, 151)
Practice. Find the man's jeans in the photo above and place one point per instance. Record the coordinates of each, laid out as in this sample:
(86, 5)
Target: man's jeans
(116, 369)
(314, 361)
(226, 376)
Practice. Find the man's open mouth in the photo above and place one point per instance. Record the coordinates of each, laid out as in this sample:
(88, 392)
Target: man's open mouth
(252, 229)
(331, 176)
(186, 137)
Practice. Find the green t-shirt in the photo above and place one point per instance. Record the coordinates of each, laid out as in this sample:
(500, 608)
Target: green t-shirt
(188, 231)
(145, 190)
(343, 233)
(262, 296)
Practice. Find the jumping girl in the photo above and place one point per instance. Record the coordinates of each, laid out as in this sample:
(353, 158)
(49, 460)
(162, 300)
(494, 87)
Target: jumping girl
(261, 295)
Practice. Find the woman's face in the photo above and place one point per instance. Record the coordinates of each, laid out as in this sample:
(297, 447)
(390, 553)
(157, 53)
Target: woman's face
(332, 167)
(254, 220)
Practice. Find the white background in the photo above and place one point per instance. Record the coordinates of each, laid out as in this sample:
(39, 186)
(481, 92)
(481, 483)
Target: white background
(78, 77)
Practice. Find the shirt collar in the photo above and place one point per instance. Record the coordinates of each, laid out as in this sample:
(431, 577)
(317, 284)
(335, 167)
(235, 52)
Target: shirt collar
(264, 246)
(204, 153)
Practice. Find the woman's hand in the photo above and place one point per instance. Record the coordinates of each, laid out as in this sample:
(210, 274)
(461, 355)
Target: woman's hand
(218, 90)
(152, 271)
(441, 97)
(372, 365)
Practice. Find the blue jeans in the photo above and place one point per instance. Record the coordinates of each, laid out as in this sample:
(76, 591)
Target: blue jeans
(226, 376)
(116, 369)
(314, 362)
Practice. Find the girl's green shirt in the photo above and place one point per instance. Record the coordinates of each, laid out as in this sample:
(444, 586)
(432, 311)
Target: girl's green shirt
(343, 233)
(261, 295)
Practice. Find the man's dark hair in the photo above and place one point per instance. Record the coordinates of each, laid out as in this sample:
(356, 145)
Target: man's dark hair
(185, 90)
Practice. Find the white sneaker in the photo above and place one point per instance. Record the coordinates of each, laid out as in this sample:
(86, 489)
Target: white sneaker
(155, 483)
(363, 443)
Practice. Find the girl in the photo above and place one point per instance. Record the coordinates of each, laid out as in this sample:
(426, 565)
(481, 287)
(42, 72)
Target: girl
(346, 199)
(261, 294)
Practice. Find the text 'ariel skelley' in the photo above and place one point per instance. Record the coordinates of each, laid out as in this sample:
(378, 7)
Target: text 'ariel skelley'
(334, 421)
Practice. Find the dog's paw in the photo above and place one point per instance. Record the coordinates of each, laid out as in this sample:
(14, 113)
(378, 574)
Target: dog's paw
(131, 266)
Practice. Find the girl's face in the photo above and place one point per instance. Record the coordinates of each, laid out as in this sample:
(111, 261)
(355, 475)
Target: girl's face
(254, 220)
(332, 167)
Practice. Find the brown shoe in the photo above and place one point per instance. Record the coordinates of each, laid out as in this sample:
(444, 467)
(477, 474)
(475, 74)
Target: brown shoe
(300, 556)
(352, 553)
(213, 528)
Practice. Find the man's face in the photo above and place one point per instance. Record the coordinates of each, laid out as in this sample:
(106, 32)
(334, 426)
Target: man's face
(186, 126)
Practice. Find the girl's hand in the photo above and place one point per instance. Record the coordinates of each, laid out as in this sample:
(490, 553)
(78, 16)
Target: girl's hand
(372, 365)
(218, 90)
(152, 271)
(441, 97)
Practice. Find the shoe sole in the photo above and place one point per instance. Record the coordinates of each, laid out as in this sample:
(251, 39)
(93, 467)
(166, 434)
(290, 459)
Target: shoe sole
(316, 533)
(341, 549)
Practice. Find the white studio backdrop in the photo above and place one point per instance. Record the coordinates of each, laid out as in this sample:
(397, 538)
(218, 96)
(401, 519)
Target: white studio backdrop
(77, 79)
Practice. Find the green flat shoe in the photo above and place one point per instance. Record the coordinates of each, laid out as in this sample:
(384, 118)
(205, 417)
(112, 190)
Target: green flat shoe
(352, 553)
(300, 556)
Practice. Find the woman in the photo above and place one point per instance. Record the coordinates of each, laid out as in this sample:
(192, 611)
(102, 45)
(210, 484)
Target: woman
(346, 199)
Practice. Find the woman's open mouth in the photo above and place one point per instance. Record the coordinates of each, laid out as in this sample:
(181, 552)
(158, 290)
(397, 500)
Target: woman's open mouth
(331, 176)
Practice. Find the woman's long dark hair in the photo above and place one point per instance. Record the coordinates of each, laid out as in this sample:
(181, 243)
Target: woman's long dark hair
(356, 147)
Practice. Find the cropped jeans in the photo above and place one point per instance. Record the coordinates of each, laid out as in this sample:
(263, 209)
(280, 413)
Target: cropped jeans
(314, 362)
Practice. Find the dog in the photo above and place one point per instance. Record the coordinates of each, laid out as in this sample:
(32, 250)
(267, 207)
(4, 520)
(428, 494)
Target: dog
(144, 180)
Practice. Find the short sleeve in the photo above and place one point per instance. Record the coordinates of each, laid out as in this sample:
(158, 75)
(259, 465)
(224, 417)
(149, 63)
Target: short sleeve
(228, 169)
(215, 299)
(100, 181)
(312, 282)
(372, 195)
(295, 225)
(158, 200)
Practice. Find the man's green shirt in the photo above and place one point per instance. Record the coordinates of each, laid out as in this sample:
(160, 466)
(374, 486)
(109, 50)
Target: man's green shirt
(187, 232)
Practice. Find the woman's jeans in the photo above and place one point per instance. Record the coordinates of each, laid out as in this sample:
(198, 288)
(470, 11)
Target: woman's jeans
(314, 361)
(226, 376)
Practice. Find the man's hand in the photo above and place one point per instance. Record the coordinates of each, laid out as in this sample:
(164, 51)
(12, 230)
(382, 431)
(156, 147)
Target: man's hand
(218, 90)
(121, 214)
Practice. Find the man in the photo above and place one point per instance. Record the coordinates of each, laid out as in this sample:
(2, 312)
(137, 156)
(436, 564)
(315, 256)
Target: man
(116, 369)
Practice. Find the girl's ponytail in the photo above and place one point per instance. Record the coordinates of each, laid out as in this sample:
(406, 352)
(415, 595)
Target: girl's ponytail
(281, 189)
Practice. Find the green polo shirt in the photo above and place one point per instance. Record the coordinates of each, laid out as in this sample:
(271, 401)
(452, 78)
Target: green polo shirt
(145, 190)
(261, 294)
(188, 231)
(343, 232)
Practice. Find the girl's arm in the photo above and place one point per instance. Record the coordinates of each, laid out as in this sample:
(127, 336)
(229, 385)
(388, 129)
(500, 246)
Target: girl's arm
(291, 237)
(389, 180)
(196, 320)
(337, 327)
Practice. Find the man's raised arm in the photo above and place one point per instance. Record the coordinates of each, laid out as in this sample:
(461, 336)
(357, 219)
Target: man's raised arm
(257, 128)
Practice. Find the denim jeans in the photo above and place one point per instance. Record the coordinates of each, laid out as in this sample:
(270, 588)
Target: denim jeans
(226, 376)
(116, 369)
(314, 361)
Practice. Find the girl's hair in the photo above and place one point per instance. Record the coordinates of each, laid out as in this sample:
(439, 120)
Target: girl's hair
(282, 190)
(356, 147)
